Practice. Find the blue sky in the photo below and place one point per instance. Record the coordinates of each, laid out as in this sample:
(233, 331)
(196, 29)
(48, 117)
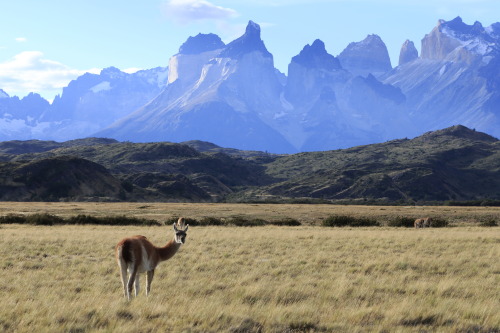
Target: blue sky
(46, 43)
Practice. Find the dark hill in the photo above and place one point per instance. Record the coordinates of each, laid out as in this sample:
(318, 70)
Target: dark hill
(17, 147)
(58, 178)
(208, 147)
(455, 164)
(162, 171)
(452, 164)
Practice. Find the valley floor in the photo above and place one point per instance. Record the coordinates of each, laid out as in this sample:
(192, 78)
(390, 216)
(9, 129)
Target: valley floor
(269, 279)
(307, 214)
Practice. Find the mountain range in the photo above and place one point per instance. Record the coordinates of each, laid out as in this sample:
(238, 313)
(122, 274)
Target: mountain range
(232, 95)
(453, 164)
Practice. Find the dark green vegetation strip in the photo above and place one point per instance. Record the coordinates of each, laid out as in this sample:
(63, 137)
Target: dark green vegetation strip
(238, 221)
(49, 219)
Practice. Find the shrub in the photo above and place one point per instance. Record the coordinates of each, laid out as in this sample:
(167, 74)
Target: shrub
(12, 218)
(338, 221)
(111, 220)
(349, 221)
(125, 220)
(241, 221)
(489, 223)
(439, 223)
(287, 221)
(401, 221)
(44, 219)
(84, 219)
(365, 222)
(210, 221)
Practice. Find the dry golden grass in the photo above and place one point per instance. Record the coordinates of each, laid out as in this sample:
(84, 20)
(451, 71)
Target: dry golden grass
(288, 279)
(307, 214)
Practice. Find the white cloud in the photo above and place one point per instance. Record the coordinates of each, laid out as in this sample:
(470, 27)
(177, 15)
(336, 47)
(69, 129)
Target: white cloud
(132, 70)
(30, 71)
(21, 39)
(282, 3)
(186, 11)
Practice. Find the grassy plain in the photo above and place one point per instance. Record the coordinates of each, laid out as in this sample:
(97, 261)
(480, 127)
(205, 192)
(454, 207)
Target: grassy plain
(307, 214)
(269, 279)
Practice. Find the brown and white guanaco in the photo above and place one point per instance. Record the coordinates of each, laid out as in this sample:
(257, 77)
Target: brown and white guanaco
(137, 254)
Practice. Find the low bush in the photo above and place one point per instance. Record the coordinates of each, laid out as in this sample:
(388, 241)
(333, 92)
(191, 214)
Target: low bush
(84, 219)
(439, 223)
(285, 222)
(489, 223)
(241, 221)
(44, 219)
(338, 221)
(349, 221)
(401, 221)
(210, 221)
(125, 220)
(12, 218)
(109, 220)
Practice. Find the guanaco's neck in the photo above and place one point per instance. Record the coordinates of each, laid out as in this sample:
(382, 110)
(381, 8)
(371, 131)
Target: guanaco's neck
(168, 250)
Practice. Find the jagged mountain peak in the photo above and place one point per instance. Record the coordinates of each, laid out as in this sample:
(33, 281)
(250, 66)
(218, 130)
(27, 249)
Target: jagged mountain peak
(201, 43)
(316, 56)
(494, 30)
(3, 94)
(252, 29)
(367, 56)
(459, 42)
(369, 41)
(250, 41)
(112, 72)
(372, 38)
(458, 29)
(408, 52)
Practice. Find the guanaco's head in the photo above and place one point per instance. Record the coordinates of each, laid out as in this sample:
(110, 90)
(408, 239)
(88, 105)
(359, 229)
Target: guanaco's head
(180, 229)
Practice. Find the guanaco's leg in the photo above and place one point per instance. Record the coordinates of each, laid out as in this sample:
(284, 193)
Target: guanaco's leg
(137, 286)
(123, 271)
(131, 280)
(150, 280)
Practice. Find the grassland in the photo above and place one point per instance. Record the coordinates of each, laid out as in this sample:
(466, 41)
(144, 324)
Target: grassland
(307, 214)
(269, 279)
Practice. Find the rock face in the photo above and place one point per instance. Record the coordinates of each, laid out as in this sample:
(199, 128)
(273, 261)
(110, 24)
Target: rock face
(228, 96)
(329, 107)
(456, 41)
(456, 79)
(249, 42)
(370, 56)
(408, 53)
(201, 43)
(237, 91)
(308, 71)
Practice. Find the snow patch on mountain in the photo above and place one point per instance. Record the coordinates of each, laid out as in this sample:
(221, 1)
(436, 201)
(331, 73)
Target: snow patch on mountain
(285, 104)
(103, 86)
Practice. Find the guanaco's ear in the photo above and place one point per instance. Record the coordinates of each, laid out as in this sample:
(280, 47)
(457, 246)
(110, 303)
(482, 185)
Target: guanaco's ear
(175, 228)
(186, 229)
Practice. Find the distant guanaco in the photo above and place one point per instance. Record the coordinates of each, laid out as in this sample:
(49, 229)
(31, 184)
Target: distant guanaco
(423, 223)
(137, 254)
